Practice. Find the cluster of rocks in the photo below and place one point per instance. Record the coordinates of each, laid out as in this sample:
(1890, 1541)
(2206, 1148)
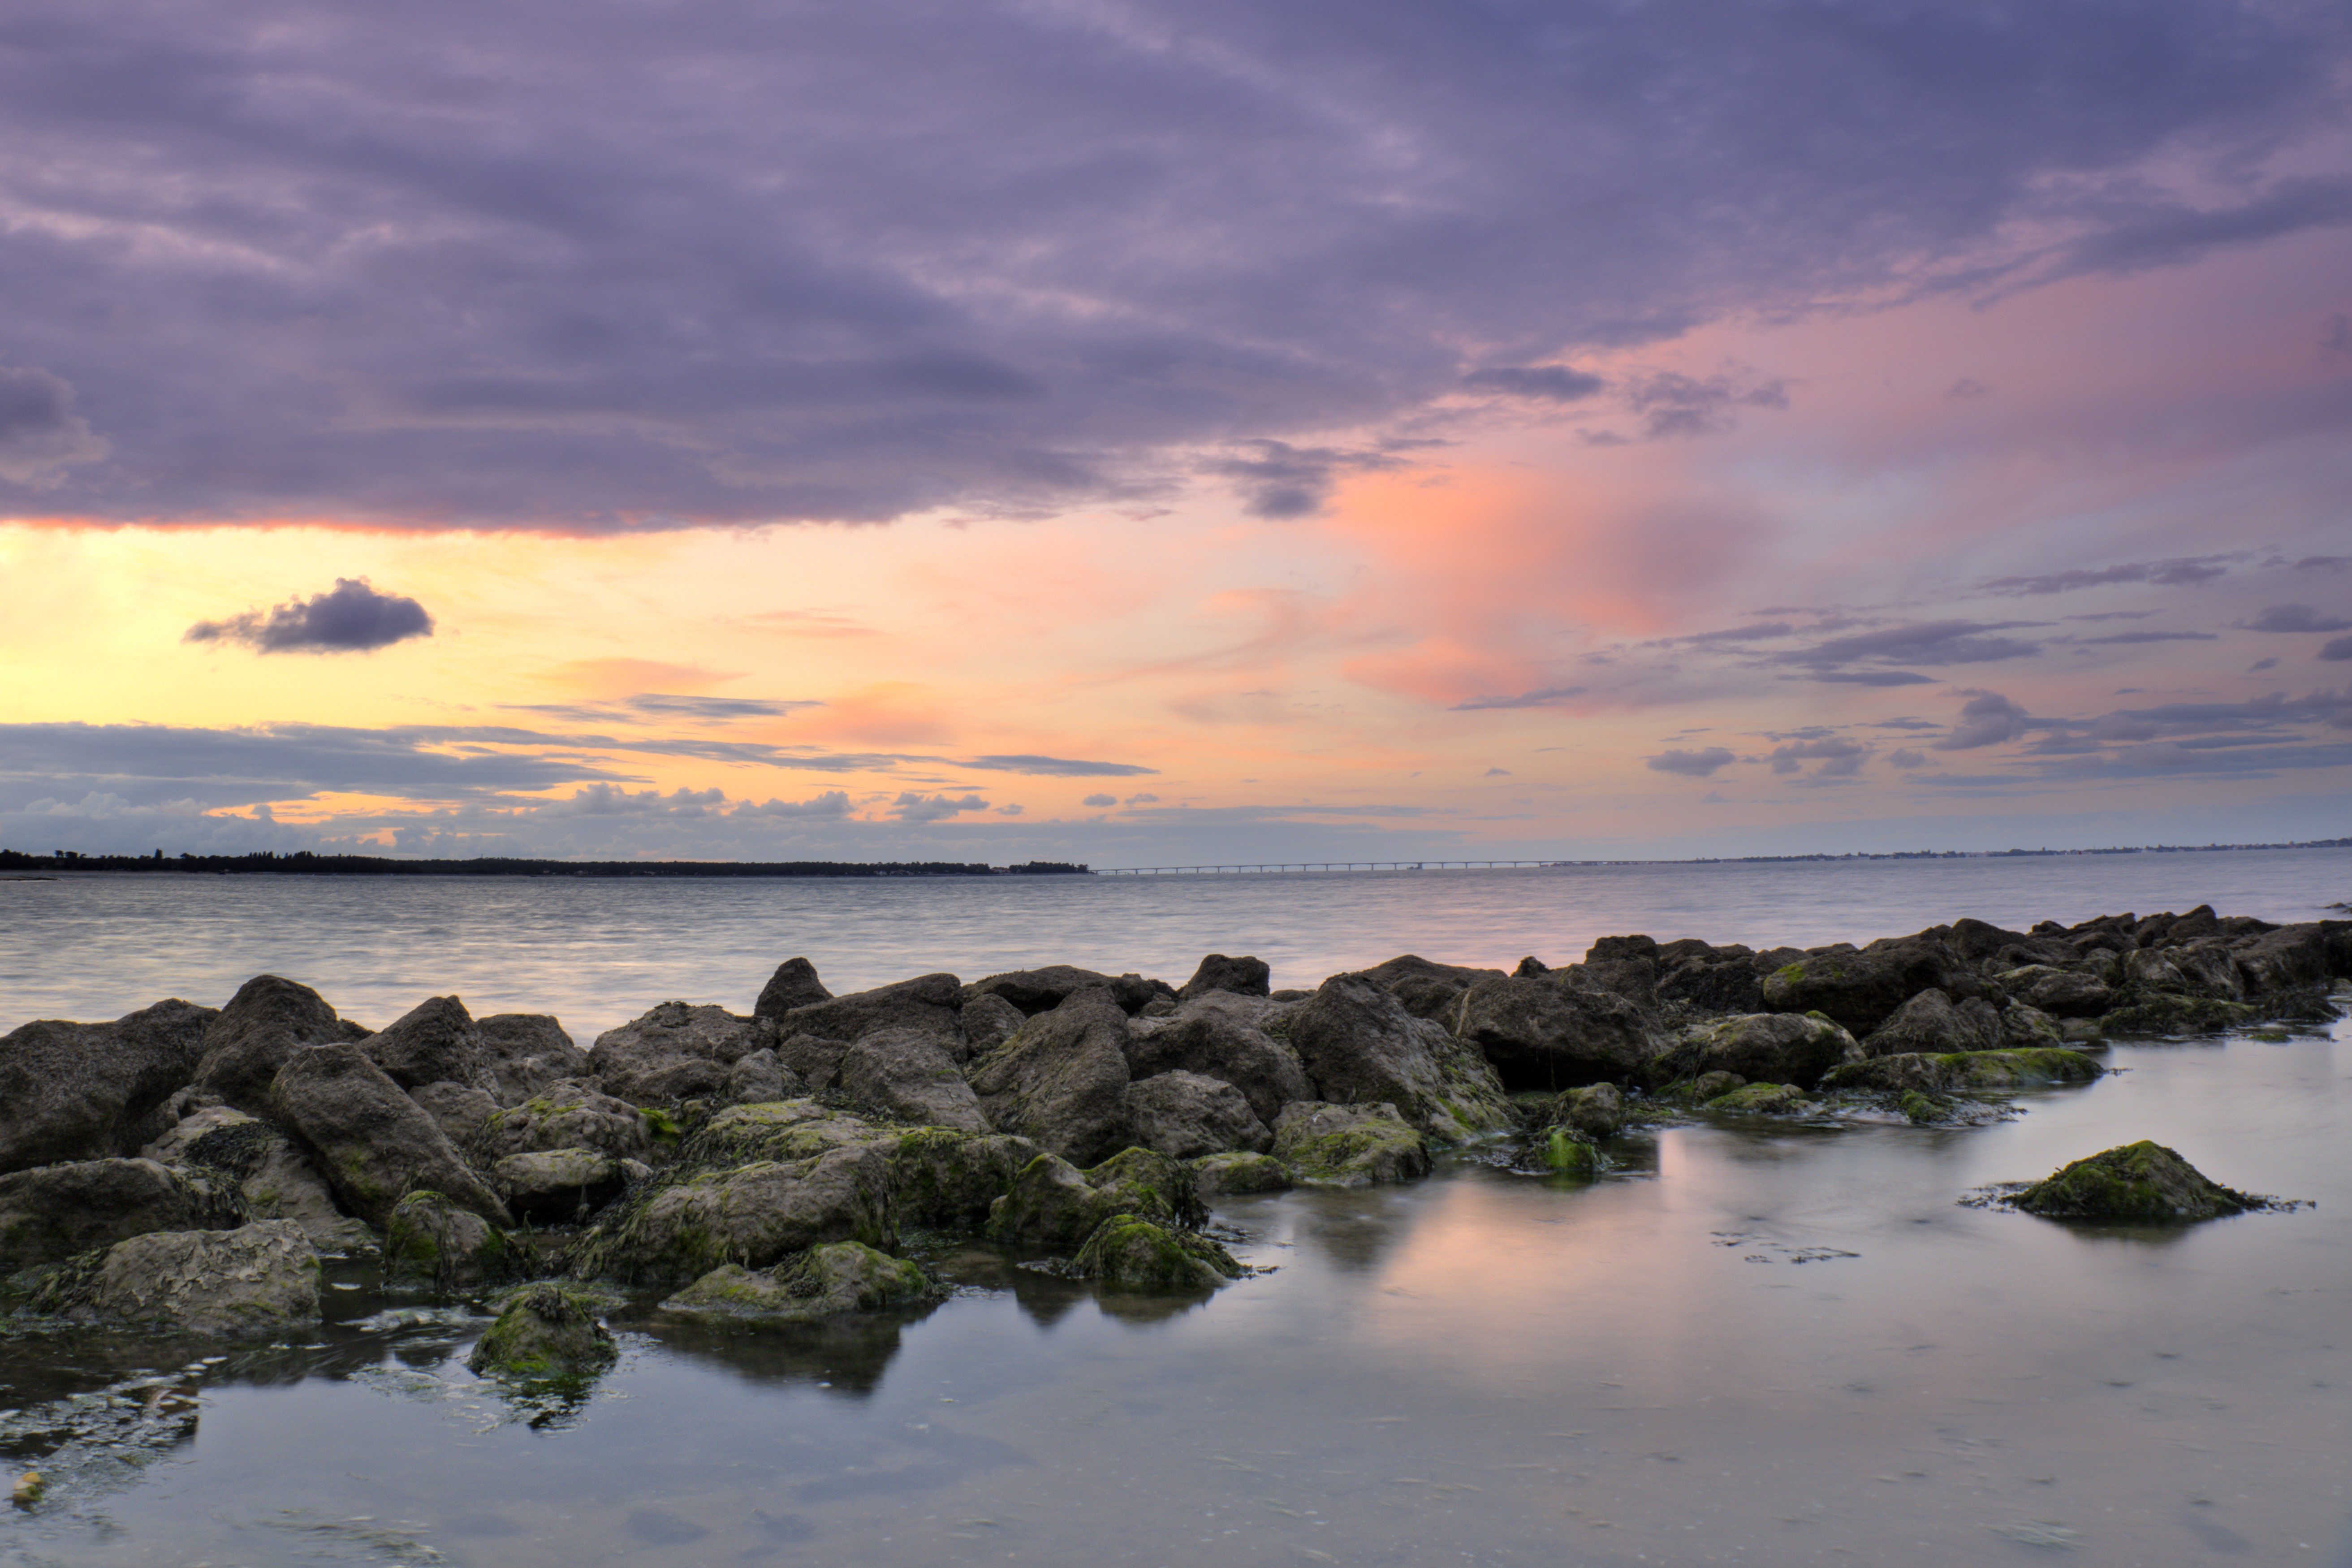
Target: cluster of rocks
(185, 1166)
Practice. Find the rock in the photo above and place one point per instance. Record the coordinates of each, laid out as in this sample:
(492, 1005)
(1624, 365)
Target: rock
(428, 1237)
(1238, 1175)
(2210, 971)
(1767, 1048)
(949, 1181)
(274, 1178)
(1360, 1047)
(794, 984)
(77, 1091)
(755, 1215)
(525, 1052)
(1053, 1204)
(814, 1059)
(1542, 1034)
(1564, 1151)
(1929, 1023)
(1529, 967)
(51, 1213)
(1222, 1036)
(1712, 985)
(558, 1186)
(760, 1076)
(1761, 1099)
(1129, 1252)
(908, 1073)
(782, 1130)
(929, 1003)
(257, 1279)
(1348, 1145)
(1185, 1115)
(1597, 1110)
(2063, 993)
(545, 1334)
(1428, 990)
(460, 1111)
(2024, 1028)
(2154, 1014)
(435, 1042)
(1626, 967)
(264, 1023)
(823, 1282)
(1977, 939)
(1062, 1081)
(2294, 956)
(1240, 976)
(375, 1144)
(2151, 969)
(675, 1052)
(1036, 991)
(567, 1115)
(990, 1021)
(1709, 1086)
(1964, 1071)
(1859, 989)
(2143, 1181)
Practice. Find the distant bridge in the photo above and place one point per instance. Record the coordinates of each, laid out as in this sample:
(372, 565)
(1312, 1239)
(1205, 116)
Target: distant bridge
(1325, 865)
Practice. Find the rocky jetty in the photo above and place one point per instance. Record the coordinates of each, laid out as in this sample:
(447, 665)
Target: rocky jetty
(185, 1167)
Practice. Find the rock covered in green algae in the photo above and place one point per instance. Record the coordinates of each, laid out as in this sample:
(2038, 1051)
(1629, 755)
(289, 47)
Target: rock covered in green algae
(258, 1279)
(545, 1332)
(2142, 1181)
(1348, 1145)
(1564, 1153)
(1053, 1204)
(840, 1277)
(1761, 1100)
(1965, 1070)
(429, 1237)
(1129, 1252)
(1596, 1110)
(754, 1215)
(558, 1186)
(945, 1179)
(1239, 1173)
(1767, 1048)
(2154, 1014)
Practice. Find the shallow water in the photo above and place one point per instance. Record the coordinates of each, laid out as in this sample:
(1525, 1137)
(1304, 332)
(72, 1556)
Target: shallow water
(1483, 1368)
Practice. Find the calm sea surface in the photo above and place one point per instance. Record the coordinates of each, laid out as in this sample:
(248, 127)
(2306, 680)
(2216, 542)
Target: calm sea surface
(1752, 1343)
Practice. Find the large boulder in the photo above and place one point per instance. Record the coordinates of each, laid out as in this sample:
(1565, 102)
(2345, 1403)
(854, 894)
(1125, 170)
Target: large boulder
(264, 1024)
(1542, 1034)
(1053, 1204)
(461, 1111)
(1036, 991)
(1707, 983)
(751, 1214)
(545, 1332)
(1766, 1047)
(50, 1213)
(929, 1003)
(567, 1115)
(1240, 976)
(432, 1239)
(1931, 1023)
(374, 1143)
(257, 1280)
(1964, 1071)
(2144, 1181)
(1360, 1046)
(558, 1186)
(1861, 989)
(988, 1022)
(908, 1073)
(949, 1181)
(2063, 993)
(1185, 1115)
(1596, 1110)
(674, 1052)
(1239, 1176)
(1127, 1252)
(1428, 990)
(1223, 1036)
(434, 1042)
(1062, 1080)
(1348, 1145)
(78, 1091)
(525, 1052)
(794, 984)
(275, 1178)
(2294, 956)
(762, 1076)
(823, 1282)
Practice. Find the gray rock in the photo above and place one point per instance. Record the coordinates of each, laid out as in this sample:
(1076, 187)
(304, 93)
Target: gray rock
(762, 1077)
(1036, 991)
(989, 1021)
(545, 1332)
(75, 1091)
(259, 1279)
(1238, 1175)
(274, 1177)
(1768, 1047)
(264, 1023)
(2028, 1028)
(428, 1237)
(674, 1052)
(525, 1052)
(1712, 985)
(1130, 1253)
(1540, 1034)
(51, 1213)
(814, 1059)
(823, 1282)
(949, 1181)
(374, 1142)
(2065, 994)
(1240, 976)
(794, 984)
(1861, 989)
(460, 1111)
(1930, 1023)
(1596, 1110)
(1428, 990)
(928, 1003)
(2294, 956)
(1053, 1204)
(1062, 1081)
(754, 1215)
(558, 1186)
(1361, 1046)
(434, 1042)
(1348, 1145)
(2210, 972)
(1222, 1036)
(568, 1115)
(908, 1073)
(1185, 1115)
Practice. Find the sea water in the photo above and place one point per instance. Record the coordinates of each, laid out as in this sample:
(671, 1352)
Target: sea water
(1751, 1343)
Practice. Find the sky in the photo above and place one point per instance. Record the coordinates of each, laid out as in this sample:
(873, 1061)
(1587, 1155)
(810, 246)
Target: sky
(1150, 434)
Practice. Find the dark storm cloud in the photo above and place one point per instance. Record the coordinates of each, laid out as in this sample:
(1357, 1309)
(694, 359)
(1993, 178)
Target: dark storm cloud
(2181, 572)
(603, 264)
(2295, 618)
(1691, 765)
(1550, 383)
(352, 618)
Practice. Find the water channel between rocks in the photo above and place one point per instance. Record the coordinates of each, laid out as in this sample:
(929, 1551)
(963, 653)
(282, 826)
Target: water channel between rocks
(1758, 1342)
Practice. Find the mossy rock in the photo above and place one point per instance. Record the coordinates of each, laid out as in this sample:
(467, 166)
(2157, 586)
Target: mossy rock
(1129, 1252)
(1956, 1071)
(948, 1178)
(1055, 1204)
(1761, 1100)
(2143, 1181)
(1596, 1110)
(2154, 1014)
(1924, 1110)
(824, 1281)
(1564, 1153)
(1240, 1172)
(546, 1333)
(781, 1131)
(1348, 1145)
(430, 1238)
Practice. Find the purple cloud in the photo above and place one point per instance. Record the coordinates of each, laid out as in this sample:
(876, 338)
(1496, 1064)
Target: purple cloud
(352, 618)
(1691, 765)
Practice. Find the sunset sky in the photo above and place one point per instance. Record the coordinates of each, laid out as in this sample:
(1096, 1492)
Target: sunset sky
(1154, 434)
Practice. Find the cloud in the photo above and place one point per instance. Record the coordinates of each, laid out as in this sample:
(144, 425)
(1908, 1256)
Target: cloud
(1280, 480)
(2337, 649)
(1546, 697)
(1691, 765)
(1925, 642)
(1907, 759)
(1099, 800)
(1874, 678)
(1838, 757)
(1142, 800)
(1987, 719)
(1497, 773)
(2181, 572)
(668, 705)
(609, 267)
(40, 433)
(1054, 767)
(914, 807)
(1550, 383)
(2295, 618)
(1011, 809)
(2260, 664)
(1673, 403)
(352, 618)
(1760, 631)
(2151, 636)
